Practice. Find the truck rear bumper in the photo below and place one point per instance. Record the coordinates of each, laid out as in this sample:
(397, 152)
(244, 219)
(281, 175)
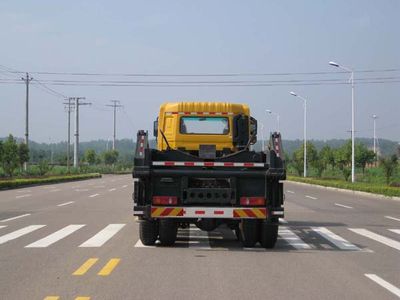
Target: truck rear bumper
(208, 212)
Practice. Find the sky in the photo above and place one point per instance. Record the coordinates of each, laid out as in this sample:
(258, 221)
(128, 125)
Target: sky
(201, 37)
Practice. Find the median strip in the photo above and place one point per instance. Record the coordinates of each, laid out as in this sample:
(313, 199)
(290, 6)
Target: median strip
(109, 267)
(85, 266)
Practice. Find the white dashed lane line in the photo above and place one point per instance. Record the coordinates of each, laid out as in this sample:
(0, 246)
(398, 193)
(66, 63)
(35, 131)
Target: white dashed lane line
(342, 205)
(14, 218)
(290, 192)
(66, 203)
(392, 218)
(383, 283)
(124, 186)
(94, 195)
(311, 197)
(111, 190)
(23, 196)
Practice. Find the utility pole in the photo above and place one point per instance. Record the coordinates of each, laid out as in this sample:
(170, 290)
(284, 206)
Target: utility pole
(27, 80)
(114, 105)
(70, 105)
(76, 145)
(375, 117)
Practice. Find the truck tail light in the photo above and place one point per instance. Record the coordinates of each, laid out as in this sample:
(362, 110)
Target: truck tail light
(165, 200)
(252, 201)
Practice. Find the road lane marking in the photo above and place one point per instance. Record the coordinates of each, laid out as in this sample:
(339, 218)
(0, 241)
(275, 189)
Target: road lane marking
(395, 230)
(54, 237)
(283, 221)
(23, 196)
(81, 190)
(99, 186)
(292, 239)
(103, 236)
(338, 241)
(66, 203)
(383, 283)
(2, 226)
(109, 267)
(52, 298)
(342, 205)
(18, 233)
(392, 218)
(195, 232)
(94, 195)
(56, 190)
(24, 191)
(111, 190)
(124, 186)
(290, 192)
(311, 197)
(82, 298)
(85, 266)
(376, 237)
(14, 218)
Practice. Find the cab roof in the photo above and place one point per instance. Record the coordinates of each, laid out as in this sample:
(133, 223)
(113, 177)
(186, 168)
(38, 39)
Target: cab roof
(217, 107)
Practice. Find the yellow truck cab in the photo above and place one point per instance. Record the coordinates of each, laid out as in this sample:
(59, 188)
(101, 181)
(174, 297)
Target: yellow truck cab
(187, 125)
(204, 172)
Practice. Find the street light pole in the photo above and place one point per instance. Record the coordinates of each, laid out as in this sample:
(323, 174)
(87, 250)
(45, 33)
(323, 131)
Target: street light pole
(375, 117)
(277, 117)
(304, 131)
(352, 116)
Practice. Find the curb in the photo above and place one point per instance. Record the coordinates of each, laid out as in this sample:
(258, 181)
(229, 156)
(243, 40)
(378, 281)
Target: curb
(371, 195)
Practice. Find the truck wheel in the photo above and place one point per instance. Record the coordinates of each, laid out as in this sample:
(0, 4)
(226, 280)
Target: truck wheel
(148, 231)
(268, 235)
(250, 232)
(168, 230)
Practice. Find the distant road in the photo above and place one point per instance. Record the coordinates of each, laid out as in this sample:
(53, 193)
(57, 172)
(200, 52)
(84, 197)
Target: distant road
(79, 239)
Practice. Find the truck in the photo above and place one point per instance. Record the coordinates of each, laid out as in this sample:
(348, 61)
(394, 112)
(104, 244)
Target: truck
(204, 171)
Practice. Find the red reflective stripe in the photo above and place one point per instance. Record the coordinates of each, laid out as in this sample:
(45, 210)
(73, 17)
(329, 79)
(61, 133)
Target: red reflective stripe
(208, 164)
(166, 211)
(224, 113)
(250, 213)
(199, 112)
(189, 164)
(235, 214)
(248, 164)
(212, 113)
(218, 212)
(228, 164)
(199, 212)
(169, 163)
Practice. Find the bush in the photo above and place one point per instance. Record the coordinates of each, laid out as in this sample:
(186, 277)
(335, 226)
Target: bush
(15, 183)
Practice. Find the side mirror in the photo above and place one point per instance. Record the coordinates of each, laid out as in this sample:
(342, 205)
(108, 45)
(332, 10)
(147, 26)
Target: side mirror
(240, 130)
(253, 130)
(155, 128)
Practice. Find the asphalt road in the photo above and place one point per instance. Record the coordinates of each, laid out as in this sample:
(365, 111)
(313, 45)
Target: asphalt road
(79, 239)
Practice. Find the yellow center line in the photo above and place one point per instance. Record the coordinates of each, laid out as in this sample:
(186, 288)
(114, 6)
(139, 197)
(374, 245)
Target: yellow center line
(52, 298)
(82, 298)
(109, 267)
(86, 266)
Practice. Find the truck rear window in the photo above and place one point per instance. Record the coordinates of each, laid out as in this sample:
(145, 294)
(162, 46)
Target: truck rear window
(204, 125)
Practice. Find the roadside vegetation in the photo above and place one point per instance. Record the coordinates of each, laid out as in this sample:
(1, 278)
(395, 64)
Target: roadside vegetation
(332, 167)
(45, 169)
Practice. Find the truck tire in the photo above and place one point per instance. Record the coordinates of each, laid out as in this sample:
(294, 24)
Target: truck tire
(268, 234)
(168, 231)
(148, 232)
(250, 233)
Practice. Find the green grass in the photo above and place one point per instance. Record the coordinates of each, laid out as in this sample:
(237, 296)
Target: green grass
(19, 182)
(375, 188)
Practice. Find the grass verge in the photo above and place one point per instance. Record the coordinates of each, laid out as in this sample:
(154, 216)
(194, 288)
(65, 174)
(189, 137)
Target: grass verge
(373, 188)
(19, 182)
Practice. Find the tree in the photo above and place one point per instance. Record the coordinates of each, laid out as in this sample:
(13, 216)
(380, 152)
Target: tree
(90, 156)
(10, 156)
(298, 157)
(43, 167)
(110, 157)
(319, 165)
(23, 154)
(389, 166)
(363, 156)
(327, 156)
(1, 152)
